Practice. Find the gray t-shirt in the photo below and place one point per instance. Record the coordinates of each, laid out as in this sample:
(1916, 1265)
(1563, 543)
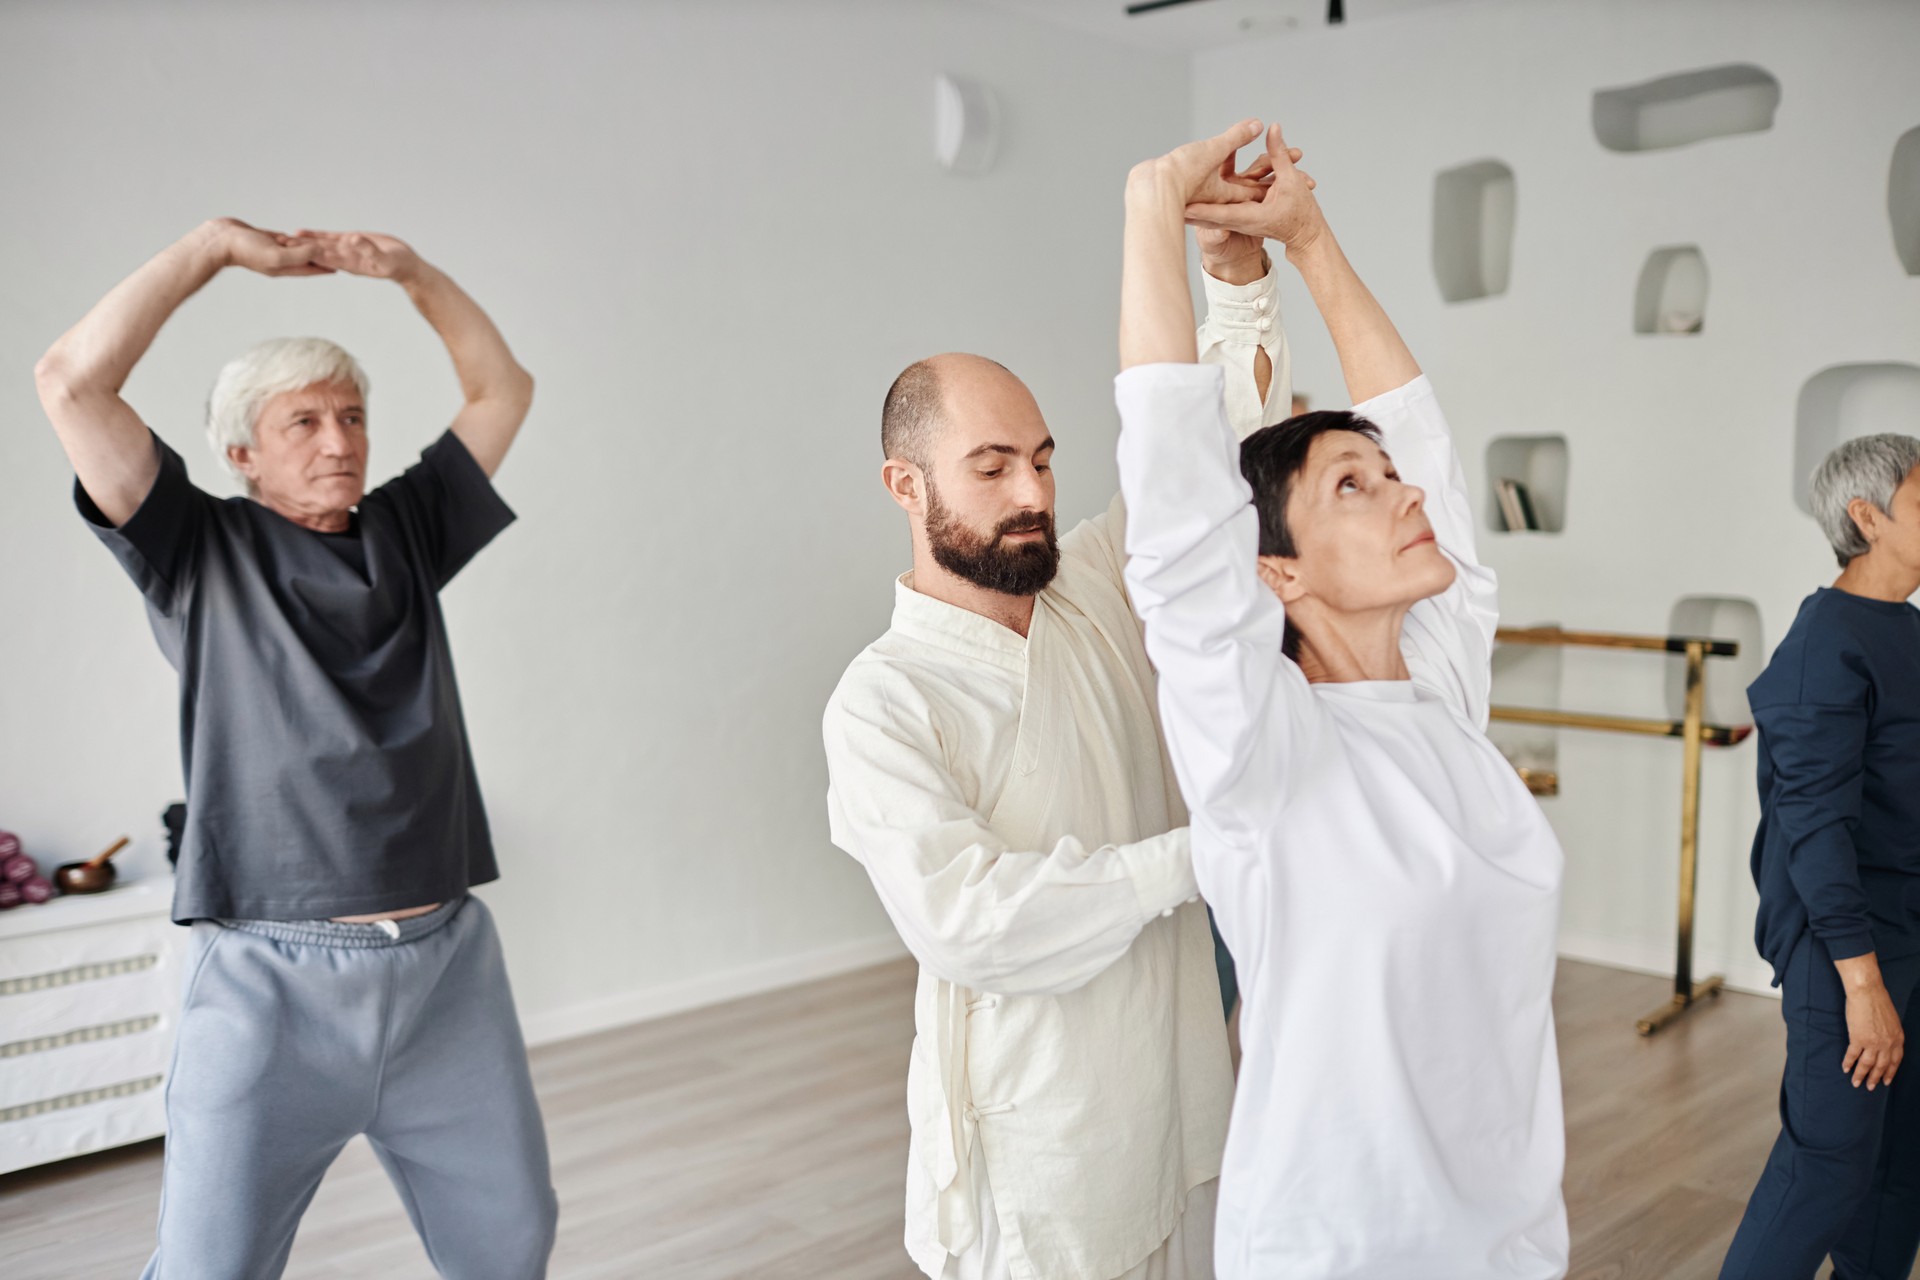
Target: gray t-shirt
(326, 758)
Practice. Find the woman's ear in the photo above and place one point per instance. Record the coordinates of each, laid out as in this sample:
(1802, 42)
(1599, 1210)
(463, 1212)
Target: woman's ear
(1866, 517)
(1283, 578)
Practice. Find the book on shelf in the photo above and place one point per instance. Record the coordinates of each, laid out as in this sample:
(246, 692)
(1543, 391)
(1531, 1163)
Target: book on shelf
(1516, 505)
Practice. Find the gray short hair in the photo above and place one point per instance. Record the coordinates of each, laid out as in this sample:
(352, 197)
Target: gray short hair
(276, 366)
(1870, 467)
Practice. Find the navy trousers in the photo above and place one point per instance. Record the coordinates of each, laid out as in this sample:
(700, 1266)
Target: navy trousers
(1843, 1179)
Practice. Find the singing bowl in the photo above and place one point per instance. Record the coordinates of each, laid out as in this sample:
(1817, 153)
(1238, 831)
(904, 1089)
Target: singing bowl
(78, 877)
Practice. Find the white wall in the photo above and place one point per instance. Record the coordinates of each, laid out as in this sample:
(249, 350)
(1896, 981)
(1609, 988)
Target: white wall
(1682, 448)
(714, 232)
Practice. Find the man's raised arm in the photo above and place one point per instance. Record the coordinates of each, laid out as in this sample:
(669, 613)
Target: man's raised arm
(497, 391)
(1242, 330)
(80, 376)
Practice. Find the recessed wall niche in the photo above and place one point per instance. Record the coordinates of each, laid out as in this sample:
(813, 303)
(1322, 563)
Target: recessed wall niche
(1672, 111)
(1717, 618)
(1473, 211)
(1672, 294)
(1903, 200)
(1538, 466)
(1845, 402)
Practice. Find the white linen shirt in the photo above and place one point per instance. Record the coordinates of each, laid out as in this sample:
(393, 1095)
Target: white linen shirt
(1387, 885)
(1012, 802)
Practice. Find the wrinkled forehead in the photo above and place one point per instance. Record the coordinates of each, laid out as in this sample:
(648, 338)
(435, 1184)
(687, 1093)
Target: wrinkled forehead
(333, 396)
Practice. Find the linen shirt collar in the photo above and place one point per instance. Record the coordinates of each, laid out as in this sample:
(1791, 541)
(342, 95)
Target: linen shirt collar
(957, 630)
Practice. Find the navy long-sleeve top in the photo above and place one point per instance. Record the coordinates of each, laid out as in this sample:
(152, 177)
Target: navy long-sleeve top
(1838, 711)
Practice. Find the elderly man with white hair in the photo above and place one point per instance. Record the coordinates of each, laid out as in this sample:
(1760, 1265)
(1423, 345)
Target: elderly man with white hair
(1837, 860)
(341, 981)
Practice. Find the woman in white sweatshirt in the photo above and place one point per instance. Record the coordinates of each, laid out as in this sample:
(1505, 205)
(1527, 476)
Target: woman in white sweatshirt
(1389, 889)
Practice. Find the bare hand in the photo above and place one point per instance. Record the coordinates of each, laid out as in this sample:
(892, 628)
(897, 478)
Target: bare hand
(1230, 255)
(1287, 210)
(271, 253)
(364, 253)
(1876, 1042)
(1203, 171)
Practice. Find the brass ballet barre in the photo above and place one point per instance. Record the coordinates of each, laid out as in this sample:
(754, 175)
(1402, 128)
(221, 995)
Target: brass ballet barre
(1694, 733)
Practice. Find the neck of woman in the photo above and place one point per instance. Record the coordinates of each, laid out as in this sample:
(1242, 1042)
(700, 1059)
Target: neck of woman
(1340, 648)
(1878, 576)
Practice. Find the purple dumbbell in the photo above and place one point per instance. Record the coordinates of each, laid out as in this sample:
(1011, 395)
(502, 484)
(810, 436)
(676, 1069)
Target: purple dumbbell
(38, 889)
(9, 844)
(9, 895)
(18, 869)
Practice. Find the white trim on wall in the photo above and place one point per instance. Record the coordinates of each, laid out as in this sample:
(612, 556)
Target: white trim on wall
(642, 1004)
(1753, 976)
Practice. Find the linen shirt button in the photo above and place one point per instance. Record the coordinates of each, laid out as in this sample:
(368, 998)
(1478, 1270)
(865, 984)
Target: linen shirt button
(1166, 913)
(1259, 304)
(1263, 324)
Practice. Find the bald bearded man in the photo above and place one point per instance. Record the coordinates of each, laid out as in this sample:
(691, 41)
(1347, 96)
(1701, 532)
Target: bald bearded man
(996, 765)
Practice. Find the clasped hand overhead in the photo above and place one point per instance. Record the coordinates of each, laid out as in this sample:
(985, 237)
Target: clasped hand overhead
(315, 253)
(1233, 209)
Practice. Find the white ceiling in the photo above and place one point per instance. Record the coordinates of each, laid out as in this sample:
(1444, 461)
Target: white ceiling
(1200, 24)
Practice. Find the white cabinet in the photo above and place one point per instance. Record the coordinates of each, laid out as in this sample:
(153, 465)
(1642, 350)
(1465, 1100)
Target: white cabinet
(89, 997)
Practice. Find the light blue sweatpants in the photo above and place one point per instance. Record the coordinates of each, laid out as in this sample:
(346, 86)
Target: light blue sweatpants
(297, 1036)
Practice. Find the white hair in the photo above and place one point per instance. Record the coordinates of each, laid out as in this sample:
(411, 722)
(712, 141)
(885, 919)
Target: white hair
(1869, 467)
(249, 381)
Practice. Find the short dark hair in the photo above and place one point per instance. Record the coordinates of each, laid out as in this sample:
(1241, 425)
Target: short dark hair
(1273, 457)
(911, 413)
(915, 409)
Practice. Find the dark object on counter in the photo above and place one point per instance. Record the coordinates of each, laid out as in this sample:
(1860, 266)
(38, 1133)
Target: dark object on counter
(175, 818)
(95, 875)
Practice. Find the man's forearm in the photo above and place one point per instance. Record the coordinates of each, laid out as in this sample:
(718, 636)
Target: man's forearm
(80, 376)
(1373, 356)
(481, 359)
(97, 354)
(498, 392)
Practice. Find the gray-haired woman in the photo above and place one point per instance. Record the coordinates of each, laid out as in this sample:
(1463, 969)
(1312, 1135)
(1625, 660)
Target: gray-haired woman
(1837, 859)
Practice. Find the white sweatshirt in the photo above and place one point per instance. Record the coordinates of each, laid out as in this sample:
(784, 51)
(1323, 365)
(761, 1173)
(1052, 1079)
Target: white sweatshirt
(1388, 887)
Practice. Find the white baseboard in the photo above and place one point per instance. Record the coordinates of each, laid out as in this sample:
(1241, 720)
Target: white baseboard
(658, 1001)
(1753, 976)
(587, 1017)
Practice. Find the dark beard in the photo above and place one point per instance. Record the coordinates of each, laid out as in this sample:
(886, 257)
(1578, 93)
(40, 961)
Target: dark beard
(1016, 569)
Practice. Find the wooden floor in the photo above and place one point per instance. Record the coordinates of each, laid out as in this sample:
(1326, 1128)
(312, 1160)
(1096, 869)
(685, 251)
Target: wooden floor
(767, 1138)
